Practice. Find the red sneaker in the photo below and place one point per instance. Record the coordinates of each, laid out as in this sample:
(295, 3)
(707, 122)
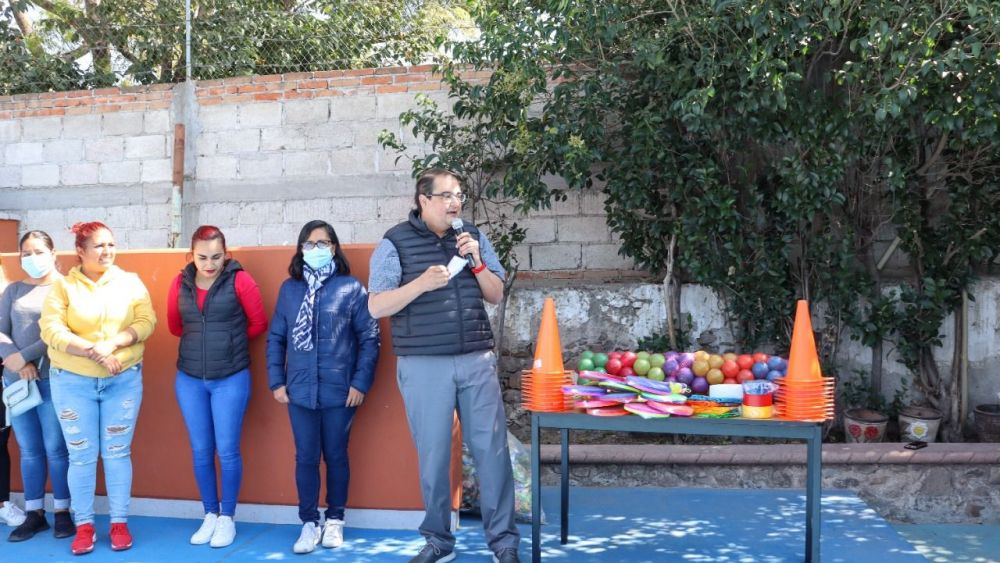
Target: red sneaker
(121, 539)
(84, 540)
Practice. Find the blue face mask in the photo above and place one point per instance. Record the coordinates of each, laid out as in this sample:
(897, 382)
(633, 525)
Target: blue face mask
(37, 265)
(317, 258)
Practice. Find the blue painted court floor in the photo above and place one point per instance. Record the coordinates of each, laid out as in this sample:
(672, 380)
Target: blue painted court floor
(606, 524)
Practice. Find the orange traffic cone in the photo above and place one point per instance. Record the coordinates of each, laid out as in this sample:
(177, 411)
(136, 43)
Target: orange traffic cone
(803, 361)
(548, 348)
(541, 386)
(804, 394)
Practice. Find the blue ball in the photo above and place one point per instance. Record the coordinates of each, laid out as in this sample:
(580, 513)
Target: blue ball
(772, 375)
(759, 370)
(774, 363)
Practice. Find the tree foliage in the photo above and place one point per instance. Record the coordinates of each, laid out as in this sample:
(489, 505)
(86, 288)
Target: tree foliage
(767, 145)
(66, 44)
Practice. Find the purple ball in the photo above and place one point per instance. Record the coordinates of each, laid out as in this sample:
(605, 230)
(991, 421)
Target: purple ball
(699, 385)
(671, 355)
(759, 370)
(670, 366)
(684, 375)
(686, 360)
(772, 375)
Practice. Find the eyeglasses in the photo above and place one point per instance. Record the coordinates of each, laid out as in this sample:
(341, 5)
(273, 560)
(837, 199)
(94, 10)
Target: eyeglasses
(323, 244)
(449, 197)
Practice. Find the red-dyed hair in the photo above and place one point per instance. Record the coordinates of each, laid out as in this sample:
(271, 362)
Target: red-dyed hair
(206, 233)
(83, 231)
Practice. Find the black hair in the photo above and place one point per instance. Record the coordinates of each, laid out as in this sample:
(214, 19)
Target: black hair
(295, 267)
(425, 183)
(40, 235)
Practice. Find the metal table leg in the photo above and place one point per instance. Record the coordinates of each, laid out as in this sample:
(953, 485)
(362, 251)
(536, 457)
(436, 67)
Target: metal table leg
(814, 484)
(564, 490)
(536, 493)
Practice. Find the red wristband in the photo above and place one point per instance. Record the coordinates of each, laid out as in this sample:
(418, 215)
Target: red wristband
(479, 268)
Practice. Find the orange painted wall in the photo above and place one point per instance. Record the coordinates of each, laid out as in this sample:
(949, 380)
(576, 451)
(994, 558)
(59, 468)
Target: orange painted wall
(383, 461)
(8, 235)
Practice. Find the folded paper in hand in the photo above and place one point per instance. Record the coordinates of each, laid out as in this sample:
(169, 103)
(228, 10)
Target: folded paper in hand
(455, 266)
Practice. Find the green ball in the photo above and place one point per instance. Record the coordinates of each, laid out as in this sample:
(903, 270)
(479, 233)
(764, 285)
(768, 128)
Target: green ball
(656, 373)
(657, 360)
(643, 355)
(600, 359)
(587, 354)
(585, 364)
(641, 366)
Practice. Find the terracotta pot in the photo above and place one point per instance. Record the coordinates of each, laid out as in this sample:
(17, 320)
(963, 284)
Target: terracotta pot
(862, 426)
(988, 423)
(919, 423)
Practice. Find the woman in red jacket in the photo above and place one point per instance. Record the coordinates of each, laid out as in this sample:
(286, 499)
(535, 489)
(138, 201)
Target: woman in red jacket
(215, 307)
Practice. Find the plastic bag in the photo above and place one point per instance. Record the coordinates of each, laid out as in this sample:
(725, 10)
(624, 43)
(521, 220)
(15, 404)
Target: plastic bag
(520, 461)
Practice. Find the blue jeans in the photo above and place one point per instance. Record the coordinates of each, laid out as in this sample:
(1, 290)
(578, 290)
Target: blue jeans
(40, 439)
(323, 431)
(98, 416)
(213, 413)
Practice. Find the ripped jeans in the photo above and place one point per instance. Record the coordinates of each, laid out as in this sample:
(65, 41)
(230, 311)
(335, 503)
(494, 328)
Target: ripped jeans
(98, 416)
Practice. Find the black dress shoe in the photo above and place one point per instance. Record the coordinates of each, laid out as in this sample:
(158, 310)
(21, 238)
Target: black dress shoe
(34, 522)
(65, 527)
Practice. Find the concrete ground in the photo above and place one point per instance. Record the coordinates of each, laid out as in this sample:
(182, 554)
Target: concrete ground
(606, 524)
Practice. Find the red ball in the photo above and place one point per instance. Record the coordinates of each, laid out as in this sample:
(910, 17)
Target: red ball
(745, 361)
(628, 359)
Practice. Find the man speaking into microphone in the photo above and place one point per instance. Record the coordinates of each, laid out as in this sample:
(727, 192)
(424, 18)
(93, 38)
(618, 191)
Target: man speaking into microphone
(431, 274)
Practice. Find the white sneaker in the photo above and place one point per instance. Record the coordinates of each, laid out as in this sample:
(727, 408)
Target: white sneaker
(333, 533)
(11, 514)
(204, 533)
(307, 539)
(225, 532)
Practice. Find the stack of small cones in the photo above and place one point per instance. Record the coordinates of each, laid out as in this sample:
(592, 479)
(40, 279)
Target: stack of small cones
(541, 386)
(804, 394)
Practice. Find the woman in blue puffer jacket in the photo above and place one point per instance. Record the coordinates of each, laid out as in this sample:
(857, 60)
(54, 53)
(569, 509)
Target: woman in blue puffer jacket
(321, 354)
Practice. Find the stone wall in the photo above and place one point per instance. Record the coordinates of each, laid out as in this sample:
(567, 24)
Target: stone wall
(941, 484)
(263, 155)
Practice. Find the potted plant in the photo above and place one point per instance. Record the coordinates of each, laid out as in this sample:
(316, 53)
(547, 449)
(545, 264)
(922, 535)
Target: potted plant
(867, 413)
(988, 422)
(919, 423)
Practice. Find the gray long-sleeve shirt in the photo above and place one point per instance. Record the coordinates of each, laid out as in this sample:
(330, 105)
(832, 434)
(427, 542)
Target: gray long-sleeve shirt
(20, 308)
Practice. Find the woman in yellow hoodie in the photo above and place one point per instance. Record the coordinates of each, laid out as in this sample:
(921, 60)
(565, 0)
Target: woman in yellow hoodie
(94, 321)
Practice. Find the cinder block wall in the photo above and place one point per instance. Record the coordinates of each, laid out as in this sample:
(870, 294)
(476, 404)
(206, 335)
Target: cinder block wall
(263, 155)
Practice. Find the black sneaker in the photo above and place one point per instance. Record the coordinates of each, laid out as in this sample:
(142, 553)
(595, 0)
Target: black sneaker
(34, 522)
(433, 554)
(65, 528)
(506, 555)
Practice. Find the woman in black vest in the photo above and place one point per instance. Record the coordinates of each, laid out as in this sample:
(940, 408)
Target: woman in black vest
(321, 355)
(215, 307)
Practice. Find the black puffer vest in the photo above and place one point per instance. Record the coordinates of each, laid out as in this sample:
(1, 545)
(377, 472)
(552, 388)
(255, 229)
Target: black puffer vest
(447, 321)
(214, 343)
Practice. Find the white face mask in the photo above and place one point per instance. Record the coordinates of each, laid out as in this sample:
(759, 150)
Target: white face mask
(37, 265)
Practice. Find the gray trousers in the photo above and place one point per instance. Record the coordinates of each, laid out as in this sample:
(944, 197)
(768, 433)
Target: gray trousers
(432, 388)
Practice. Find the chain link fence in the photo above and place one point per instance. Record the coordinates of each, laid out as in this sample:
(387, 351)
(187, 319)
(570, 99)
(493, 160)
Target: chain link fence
(58, 45)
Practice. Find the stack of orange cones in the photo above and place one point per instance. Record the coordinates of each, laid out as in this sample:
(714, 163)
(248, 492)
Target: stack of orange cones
(804, 394)
(541, 386)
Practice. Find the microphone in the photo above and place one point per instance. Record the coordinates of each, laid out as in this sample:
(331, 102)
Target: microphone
(457, 226)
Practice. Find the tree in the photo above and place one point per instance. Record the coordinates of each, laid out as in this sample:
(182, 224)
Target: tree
(764, 146)
(142, 41)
